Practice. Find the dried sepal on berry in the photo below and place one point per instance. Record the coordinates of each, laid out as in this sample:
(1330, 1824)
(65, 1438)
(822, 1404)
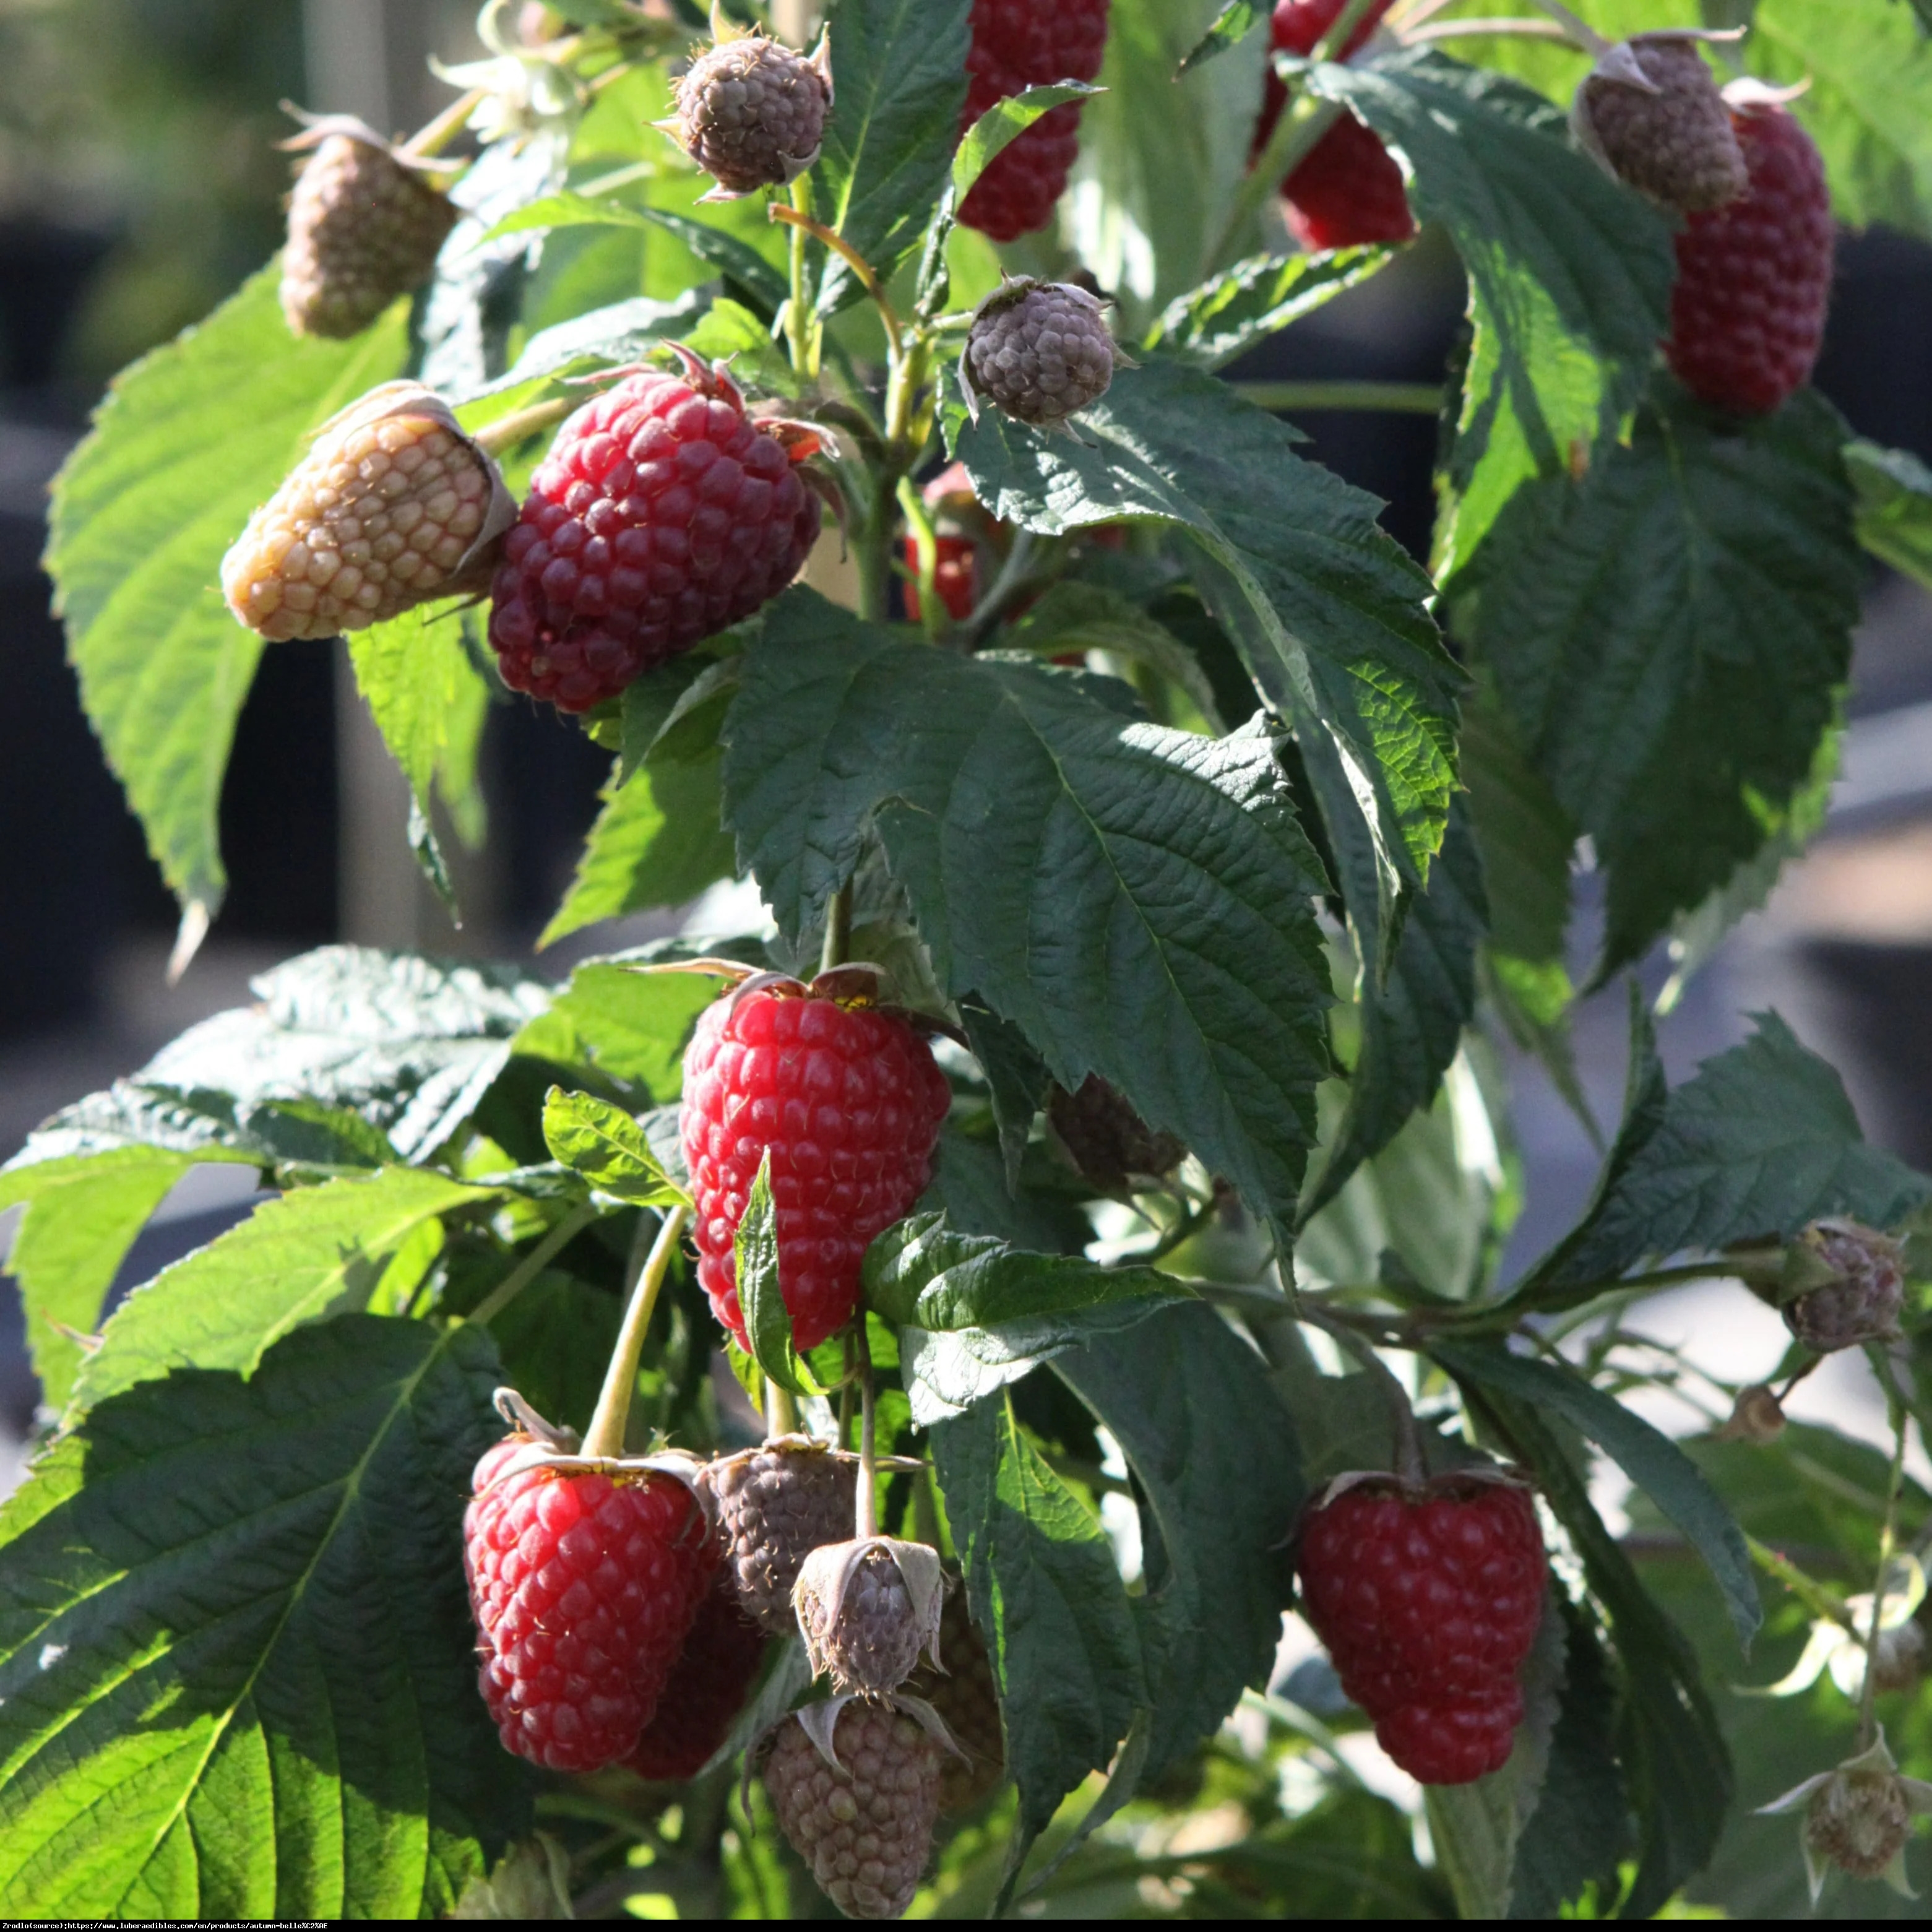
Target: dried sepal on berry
(366, 224)
(394, 506)
(1756, 1416)
(1649, 112)
(1838, 1645)
(751, 111)
(1039, 352)
(868, 1609)
(1845, 1284)
(1858, 1817)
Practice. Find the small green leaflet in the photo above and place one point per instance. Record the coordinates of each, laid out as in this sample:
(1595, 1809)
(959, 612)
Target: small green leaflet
(1232, 25)
(1649, 1457)
(228, 1604)
(624, 332)
(630, 1026)
(1003, 122)
(190, 440)
(1042, 1580)
(1135, 900)
(1893, 515)
(313, 1253)
(1668, 636)
(754, 1249)
(606, 1146)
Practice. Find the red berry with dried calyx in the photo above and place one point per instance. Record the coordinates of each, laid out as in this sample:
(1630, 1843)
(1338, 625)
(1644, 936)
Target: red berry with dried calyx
(846, 1098)
(1347, 190)
(584, 1584)
(707, 1689)
(1428, 1596)
(1754, 277)
(664, 513)
(1018, 44)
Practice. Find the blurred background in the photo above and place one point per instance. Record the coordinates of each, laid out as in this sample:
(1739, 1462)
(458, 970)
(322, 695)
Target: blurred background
(140, 183)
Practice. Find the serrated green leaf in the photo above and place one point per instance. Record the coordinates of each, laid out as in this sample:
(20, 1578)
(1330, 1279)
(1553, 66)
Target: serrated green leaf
(1040, 1577)
(607, 1147)
(238, 1676)
(901, 70)
(657, 841)
(428, 700)
(83, 1213)
(1243, 305)
(755, 1250)
(1569, 274)
(1668, 637)
(1003, 123)
(313, 1253)
(619, 334)
(1215, 1456)
(190, 441)
(1868, 103)
(409, 1043)
(1179, 961)
(1761, 1141)
(1645, 1454)
(631, 1027)
(1325, 608)
(1894, 507)
(1072, 617)
(1017, 1081)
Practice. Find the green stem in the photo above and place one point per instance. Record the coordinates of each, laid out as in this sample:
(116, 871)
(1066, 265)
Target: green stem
(780, 1411)
(1887, 1540)
(838, 945)
(867, 1523)
(605, 1435)
(1806, 1588)
(926, 545)
(801, 325)
(1417, 398)
(1409, 1465)
(492, 439)
(1497, 29)
(533, 1263)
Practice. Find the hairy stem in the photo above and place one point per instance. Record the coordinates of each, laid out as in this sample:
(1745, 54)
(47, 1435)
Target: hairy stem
(802, 327)
(605, 1435)
(837, 929)
(1820, 1601)
(533, 1263)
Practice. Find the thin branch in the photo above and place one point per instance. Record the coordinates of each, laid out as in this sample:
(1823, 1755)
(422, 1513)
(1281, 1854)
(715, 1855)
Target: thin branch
(605, 1435)
(1418, 398)
(533, 1263)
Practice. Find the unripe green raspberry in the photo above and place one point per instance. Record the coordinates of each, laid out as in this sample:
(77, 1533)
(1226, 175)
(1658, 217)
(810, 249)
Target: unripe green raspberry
(1039, 351)
(1650, 111)
(363, 230)
(752, 114)
(1864, 1291)
(393, 505)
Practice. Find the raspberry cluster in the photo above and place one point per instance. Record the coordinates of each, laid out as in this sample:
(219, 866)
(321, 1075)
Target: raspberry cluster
(1754, 277)
(1018, 44)
(662, 514)
(584, 1586)
(1347, 190)
(1429, 1601)
(848, 1100)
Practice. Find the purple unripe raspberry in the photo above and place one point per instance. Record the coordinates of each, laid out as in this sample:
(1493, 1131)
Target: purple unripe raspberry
(1038, 351)
(866, 1609)
(752, 114)
(364, 228)
(1862, 1294)
(1107, 1140)
(1650, 112)
(774, 1506)
(966, 1696)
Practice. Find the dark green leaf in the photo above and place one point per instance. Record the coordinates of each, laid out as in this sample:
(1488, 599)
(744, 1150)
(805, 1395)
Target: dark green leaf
(607, 1147)
(238, 1676)
(1225, 317)
(970, 1187)
(901, 69)
(1668, 636)
(1041, 1579)
(754, 1249)
(315, 1253)
(1325, 607)
(1524, 837)
(1649, 1458)
(1017, 1080)
(656, 842)
(1232, 25)
(1072, 616)
(630, 1026)
(190, 441)
(1216, 1458)
(1761, 1141)
(1569, 274)
(1894, 507)
(1179, 961)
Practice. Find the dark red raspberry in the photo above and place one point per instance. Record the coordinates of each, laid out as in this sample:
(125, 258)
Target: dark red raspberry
(1348, 190)
(1428, 1600)
(583, 1586)
(848, 1100)
(709, 1684)
(1018, 44)
(1754, 277)
(662, 514)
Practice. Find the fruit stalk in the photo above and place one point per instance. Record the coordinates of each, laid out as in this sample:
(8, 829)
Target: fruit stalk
(867, 1522)
(605, 1435)
(533, 1263)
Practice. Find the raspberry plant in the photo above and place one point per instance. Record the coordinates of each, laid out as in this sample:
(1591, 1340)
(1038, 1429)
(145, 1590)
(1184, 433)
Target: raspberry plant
(1102, 1133)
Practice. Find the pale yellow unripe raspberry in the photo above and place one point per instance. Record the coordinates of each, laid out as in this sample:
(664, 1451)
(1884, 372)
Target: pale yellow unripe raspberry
(393, 505)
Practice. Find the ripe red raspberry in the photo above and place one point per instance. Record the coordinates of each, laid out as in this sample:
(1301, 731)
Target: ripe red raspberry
(1754, 277)
(662, 514)
(1018, 44)
(1347, 190)
(1428, 1600)
(584, 1585)
(861, 1811)
(847, 1099)
(713, 1674)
